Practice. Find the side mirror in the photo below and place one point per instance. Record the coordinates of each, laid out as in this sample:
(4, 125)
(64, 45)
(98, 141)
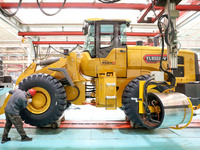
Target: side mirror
(85, 28)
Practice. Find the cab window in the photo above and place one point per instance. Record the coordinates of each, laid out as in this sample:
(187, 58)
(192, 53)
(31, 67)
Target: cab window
(106, 36)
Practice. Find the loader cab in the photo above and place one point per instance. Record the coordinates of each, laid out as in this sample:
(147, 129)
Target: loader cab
(104, 35)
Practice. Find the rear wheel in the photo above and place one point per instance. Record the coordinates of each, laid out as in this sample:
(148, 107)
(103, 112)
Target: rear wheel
(48, 104)
(131, 107)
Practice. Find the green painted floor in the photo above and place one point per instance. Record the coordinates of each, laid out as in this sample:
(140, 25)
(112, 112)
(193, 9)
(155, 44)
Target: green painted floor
(160, 139)
(103, 139)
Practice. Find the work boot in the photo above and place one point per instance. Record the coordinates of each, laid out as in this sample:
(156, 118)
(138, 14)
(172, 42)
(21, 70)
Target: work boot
(26, 138)
(4, 140)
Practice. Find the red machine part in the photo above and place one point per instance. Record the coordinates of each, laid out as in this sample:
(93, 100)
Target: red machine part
(64, 33)
(96, 6)
(68, 42)
(96, 124)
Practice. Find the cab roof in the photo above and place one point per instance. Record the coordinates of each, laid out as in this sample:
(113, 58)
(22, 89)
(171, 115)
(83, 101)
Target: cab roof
(92, 20)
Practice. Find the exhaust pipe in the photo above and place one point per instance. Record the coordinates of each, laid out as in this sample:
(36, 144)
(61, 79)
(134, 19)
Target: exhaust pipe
(47, 61)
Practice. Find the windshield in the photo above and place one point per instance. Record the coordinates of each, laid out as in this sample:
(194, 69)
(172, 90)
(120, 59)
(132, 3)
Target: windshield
(89, 41)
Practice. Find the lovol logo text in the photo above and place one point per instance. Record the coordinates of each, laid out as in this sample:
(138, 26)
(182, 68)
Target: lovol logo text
(154, 58)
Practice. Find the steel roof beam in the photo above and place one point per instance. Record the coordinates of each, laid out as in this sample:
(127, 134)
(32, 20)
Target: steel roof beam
(64, 33)
(159, 15)
(96, 6)
(178, 7)
(76, 5)
(141, 19)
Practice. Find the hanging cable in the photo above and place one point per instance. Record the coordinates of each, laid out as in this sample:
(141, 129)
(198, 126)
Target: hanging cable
(165, 38)
(47, 14)
(76, 47)
(47, 53)
(152, 102)
(6, 14)
(55, 50)
(171, 77)
(109, 1)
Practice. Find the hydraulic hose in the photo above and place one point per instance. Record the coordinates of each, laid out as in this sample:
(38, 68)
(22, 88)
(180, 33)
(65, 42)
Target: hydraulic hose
(47, 14)
(8, 14)
(109, 1)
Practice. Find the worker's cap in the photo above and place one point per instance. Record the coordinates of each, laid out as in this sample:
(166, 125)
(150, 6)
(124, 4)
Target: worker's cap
(31, 92)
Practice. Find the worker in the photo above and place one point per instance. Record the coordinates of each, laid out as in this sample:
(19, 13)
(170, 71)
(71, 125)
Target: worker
(18, 101)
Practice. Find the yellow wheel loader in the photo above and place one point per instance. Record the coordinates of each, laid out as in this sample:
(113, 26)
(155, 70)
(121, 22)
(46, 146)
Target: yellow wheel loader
(112, 75)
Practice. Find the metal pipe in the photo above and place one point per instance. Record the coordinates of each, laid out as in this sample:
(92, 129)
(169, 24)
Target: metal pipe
(50, 33)
(68, 42)
(48, 61)
(57, 42)
(141, 34)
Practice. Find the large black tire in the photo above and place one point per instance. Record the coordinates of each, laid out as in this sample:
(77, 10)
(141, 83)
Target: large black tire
(131, 107)
(57, 95)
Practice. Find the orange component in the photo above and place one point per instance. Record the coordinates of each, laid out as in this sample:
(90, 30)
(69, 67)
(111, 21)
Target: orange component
(196, 107)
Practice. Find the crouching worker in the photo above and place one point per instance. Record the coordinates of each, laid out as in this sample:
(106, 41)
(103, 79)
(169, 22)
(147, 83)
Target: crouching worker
(18, 101)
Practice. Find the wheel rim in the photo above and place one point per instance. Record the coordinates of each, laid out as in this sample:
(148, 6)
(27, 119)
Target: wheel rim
(40, 101)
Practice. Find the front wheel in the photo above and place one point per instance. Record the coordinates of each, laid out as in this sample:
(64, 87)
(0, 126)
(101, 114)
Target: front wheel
(48, 104)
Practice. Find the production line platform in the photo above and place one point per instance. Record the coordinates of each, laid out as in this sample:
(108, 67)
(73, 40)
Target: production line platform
(96, 124)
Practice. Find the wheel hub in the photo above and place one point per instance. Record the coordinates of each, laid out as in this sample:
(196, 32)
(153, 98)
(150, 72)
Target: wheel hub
(40, 101)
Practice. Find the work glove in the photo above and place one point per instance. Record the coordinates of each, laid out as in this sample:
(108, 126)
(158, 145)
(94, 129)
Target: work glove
(29, 100)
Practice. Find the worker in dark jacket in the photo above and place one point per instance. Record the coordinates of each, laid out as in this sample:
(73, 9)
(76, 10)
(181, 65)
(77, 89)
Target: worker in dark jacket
(18, 101)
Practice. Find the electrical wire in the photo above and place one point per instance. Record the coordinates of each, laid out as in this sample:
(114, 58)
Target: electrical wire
(152, 102)
(56, 50)
(76, 47)
(154, 11)
(47, 14)
(169, 36)
(6, 14)
(171, 77)
(109, 1)
(48, 51)
(160, 24)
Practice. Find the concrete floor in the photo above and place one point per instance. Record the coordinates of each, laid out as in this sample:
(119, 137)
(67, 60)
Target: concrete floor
(66, 139)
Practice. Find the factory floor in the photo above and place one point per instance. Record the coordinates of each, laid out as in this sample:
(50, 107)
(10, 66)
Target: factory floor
(102, 139)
